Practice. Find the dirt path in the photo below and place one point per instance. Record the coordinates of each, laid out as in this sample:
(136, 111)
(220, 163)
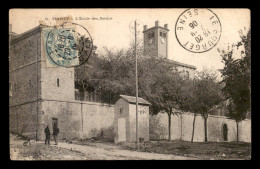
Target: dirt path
(100, 150)
(112, 153)
(90, 151)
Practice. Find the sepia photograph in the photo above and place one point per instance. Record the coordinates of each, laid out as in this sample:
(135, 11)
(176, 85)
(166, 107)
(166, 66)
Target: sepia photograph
(129, 84)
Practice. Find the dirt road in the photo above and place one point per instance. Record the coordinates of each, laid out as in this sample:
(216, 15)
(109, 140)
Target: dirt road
(89, 151)
(104, 152)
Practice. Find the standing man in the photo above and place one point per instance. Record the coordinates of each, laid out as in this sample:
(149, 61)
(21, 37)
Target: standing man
(47, 134)
(55, 133)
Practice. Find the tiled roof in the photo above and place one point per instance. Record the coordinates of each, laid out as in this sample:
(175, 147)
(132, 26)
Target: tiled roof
(174, 62)
(27, 33)
(132, 99)
(181, 64)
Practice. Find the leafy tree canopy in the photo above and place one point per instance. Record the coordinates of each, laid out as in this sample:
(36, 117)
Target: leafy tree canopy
(236, 76)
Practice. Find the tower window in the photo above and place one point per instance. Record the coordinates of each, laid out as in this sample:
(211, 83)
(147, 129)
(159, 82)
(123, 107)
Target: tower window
(187, 75)
(58, 82)
(151, 35)
(164, 35)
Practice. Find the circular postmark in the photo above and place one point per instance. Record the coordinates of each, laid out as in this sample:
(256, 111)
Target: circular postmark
(68, 45)
(198, 30)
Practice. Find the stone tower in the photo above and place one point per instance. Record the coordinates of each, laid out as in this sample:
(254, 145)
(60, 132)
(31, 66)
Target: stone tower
(156, 40)
(33, 85)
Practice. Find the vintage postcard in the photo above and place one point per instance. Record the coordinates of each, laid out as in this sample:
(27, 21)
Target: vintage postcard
(130, 84)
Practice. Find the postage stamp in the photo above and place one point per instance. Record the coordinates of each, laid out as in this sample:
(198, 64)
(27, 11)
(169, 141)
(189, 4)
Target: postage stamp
(68, 45)
(198, 30)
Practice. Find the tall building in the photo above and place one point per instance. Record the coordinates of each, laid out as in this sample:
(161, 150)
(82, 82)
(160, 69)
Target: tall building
(156, 40)
(156, 44)
(33, 85)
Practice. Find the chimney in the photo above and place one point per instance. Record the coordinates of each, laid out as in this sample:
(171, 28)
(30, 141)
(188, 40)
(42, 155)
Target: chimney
(156, 23)
(145, 27)
(166, 26)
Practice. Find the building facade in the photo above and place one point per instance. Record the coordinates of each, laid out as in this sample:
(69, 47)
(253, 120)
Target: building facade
(156, 42)
(24, 81)
(40, 95)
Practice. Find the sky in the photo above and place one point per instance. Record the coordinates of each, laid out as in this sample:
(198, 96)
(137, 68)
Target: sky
(115, 34)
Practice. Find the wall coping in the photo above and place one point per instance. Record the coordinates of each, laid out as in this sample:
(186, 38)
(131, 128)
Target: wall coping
(79, 102)
(215, 116)
(210, 115)
(26, 34)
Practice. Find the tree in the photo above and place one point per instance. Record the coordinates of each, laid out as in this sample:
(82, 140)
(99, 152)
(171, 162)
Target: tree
(110, 73)
(236, 76)
(86, 59)
(205, 93)
(114, 74)
(166, 92)
(189, 103)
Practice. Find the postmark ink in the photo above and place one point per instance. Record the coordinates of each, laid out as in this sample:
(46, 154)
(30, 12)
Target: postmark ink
(68, 45)
(198, 30)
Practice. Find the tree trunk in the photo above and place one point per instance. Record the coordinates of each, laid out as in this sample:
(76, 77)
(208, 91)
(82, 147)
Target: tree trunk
(205, 128)
(109, 98)
(169, 118)
(84, 90)
(193, 127)
(237, 132)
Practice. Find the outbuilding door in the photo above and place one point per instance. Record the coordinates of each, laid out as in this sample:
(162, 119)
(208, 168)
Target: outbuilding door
(121, 129)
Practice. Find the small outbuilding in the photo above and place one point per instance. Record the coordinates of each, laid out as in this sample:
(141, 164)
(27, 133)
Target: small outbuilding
(125, 119)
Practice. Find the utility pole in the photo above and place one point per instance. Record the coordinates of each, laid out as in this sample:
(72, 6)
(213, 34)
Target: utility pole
(136, 89)
(133, 28)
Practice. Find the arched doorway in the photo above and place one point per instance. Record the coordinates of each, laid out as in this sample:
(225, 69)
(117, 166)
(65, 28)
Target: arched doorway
(225, 132)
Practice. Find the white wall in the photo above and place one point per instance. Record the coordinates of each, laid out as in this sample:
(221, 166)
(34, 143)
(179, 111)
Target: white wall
(245, 131)
(181, 128)
(143, 121)
(78, 119)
